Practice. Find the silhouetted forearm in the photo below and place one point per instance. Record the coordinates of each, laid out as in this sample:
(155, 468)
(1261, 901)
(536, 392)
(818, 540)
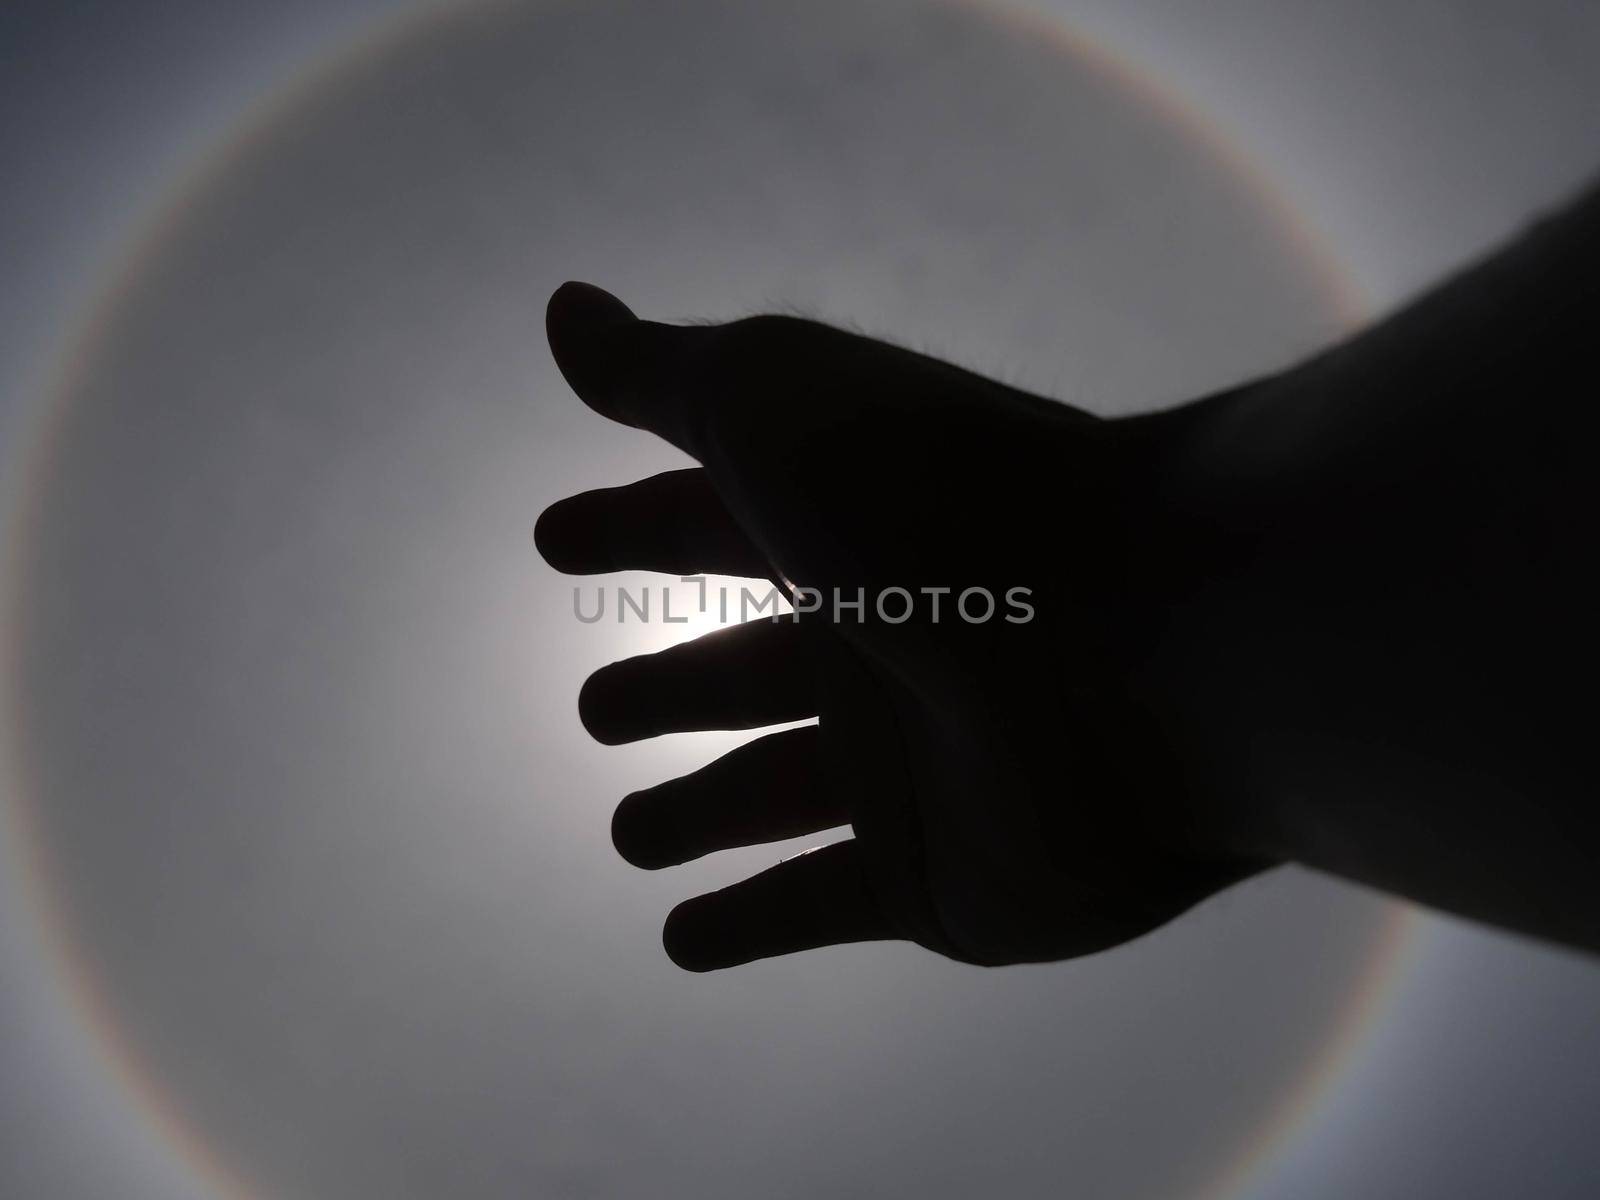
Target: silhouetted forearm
(1376, 652)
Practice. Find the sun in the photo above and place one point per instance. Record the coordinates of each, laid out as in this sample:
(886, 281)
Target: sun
(652, 612)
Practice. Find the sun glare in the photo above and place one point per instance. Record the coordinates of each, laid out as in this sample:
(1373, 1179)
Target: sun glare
(652, 612)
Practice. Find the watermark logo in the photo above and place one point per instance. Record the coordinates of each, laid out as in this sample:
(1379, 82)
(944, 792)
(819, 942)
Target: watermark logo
(890, 605)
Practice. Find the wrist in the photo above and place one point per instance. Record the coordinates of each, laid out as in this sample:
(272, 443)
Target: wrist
(1210, 577)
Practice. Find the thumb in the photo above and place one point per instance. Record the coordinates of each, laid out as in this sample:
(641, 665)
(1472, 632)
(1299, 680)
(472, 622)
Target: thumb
(634, 372)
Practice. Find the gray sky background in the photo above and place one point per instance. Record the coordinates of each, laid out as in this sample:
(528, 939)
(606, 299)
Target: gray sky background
(300, 697)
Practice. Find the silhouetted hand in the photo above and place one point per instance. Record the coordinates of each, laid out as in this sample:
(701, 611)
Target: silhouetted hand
(982, 731)
(1337, 616)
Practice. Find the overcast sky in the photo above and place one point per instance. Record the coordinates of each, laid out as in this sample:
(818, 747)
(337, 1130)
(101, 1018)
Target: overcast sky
(297, 697)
